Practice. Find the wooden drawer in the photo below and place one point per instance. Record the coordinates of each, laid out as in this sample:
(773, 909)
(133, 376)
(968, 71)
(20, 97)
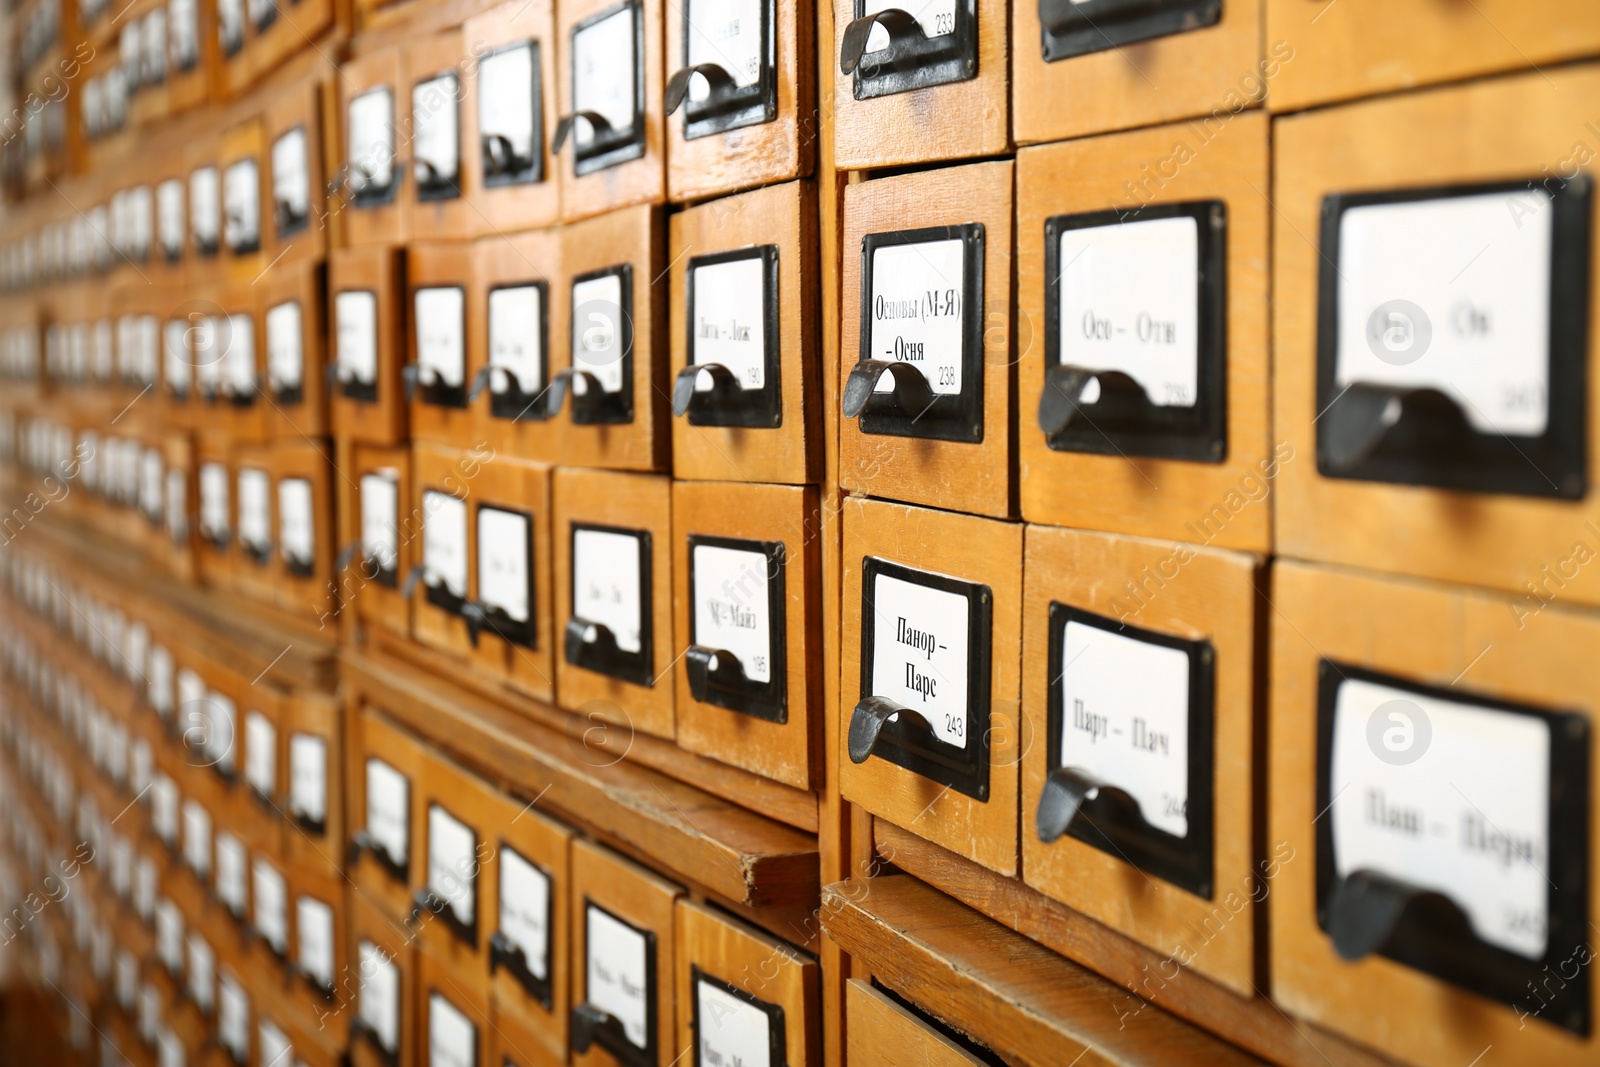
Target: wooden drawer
(1351, 53)
(384, 1030)
(1503, 496)
(528, 948)
(952, 84)
(948, 233)
(443, 353)
(952, 780)
(433, 101)
(615, 350)
(386, 809)
(320, 945)
(246, 204)
(277, 35)
(452, 1014)
(368, 402)
(452, 909)
(1432, 805)
(610, 65)
(382, 537)
(756, 126)
(515, 183)
(624, 961)
(303, 509)
(518, 1040)
(375, 191)
(881, 1033)
(1139, 667)
(314, 795)
(744, 279)
(613, 601)
(263, 730)
(509, 623)
(216, 521)
(254, 565)
(747, 609)
(1184, 265)
(294, 337)
(743, 994)
(518, 312)
(272, 944)
(295, 138)
(439, 583)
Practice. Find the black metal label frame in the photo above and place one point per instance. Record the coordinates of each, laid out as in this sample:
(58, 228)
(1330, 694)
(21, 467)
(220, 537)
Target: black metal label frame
(629, 1054)
(966, 770)
(530, 171)
(752, 408)
(1071, 28)
(600, 154)
(948, 417)
(442, 186)
(1551, 465)
(438, 593)
(777, 1039)
(1189, 861)
(636, 667)
(624, 326)
(762, 700)
(516, 403)
(1198, 433)
(288, 222)
(369, 195)
(501, 624)
(438, 394)
(514, 959)
(917, 61)
(441, 906)
(750, 105)
(1471, 963)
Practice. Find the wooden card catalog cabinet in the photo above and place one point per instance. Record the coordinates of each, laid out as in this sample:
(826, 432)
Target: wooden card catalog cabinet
(434, 67)
(367, 395)
(372, 197)
(1138, 697)
(387, 794)
(927, 288)
(383, 1032)
(1433, 801)
(254, 565)
(624, 962)
(215, 523)
(295, 381)
(442, 377)
(236, 351)
(747, 612)
(507, 115)
(1146, 360)
(439, 582)
(1446, 407)
(245, 200)
(508, 619)
(612, 123)
(452, 1015)
(613, 384)
(293, 134)
(518, 311)
(613, 597)
(931, 621)
(380, 539)
(743, 996)
(741, 96)
(1096, 65)
(530, 934)
(903, 74)
(453, 909)
(314, 794)
(743, 337)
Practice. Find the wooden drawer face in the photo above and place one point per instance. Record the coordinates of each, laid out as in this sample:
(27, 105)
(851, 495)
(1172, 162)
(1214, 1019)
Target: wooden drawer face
(387, 791)
(755, 130)
(440, 581)
(314, 790)
(747, 588)
(744, 994)
(624, 961)
(1471, 745)
(275, 37)
(881, 121)
(452, 1015)
(367, 397)
(432, 100)
(511, 629)
(321, 940)
(618, 45)
(519, 1040)
(932, 606)
(383, 537)
(882, 1034)
(375, 189)
(294, 380)
(506, 161)
(744, 279)
(303, 526)
(296, 177)
(518, 313)
(256, 506)
(1348, 54)
(1180, 285)
(443, 354)
(263, 764)
(1085, 71)
(529, 945)
(1139, 660)
(1508, 486)
(453, 908)
(384, 1031)
(947, 232)
(613, 597)
(615, 349)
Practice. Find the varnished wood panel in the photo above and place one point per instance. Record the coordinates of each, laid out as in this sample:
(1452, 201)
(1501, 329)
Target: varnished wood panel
(388, 223)
(500, 211)
(442, 264)
(375, 270)
(521, 259)
(535, 1034)
(518, 485)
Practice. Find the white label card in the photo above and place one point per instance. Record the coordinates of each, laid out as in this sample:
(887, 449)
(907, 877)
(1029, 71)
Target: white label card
(441, 340)
(308, 776)
(241, 198)
(239, 358)
(516, 338)
(233, 863)
(255, 526)
(603, 72)
(607, 587)
(169, 216)
(1130, 302)
(202, 969)
(220, 723)
(370, 147)
(444, 540)
(233, 1017)
(727, 33)
(1452, 294)
(1468, 817)
(285, 361)
(452, 1039)
(204, 206)
(291, 179)
(169, 935)
(197, 837)
(260, 753)
(732, 608)
(214, 521)
(732, 1031)
(730, 319)
(525, 909)
(380, 502)
(919, 653)
(1125, 719)
(314, 924)
(936, 17)
(274, 1046)
(453, 862)
(917, 293)
(271, 905)
(617, 970)
(380, 995)
(504, 568)
(597, 335)
(389, 809)
(296, 531)
(436, 143)
(356, 333)
(506, 93)
(164, 808)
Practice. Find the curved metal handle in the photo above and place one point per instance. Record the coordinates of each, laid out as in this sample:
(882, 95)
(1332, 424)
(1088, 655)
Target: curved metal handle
(599, 127)
(587, 1023)
(910, 394)
(479, 382)
(900, 25)
(1121, 399)
(1366, 418)
(476, 616)
(706, 665)
(721, 82)
(561, 384)
(588, 642)
(724, 388)
(413, 576)
(871, 716)
(1367, 908)
(1068, 791)
(499, 157)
